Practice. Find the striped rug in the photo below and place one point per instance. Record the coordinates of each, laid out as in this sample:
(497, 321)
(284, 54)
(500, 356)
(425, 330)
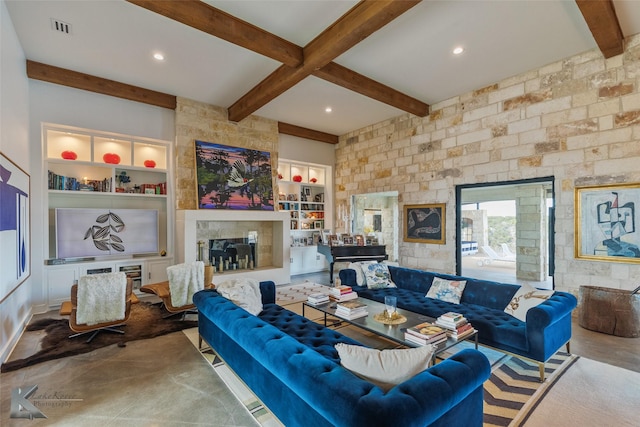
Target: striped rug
(514, 389)
(297, 293)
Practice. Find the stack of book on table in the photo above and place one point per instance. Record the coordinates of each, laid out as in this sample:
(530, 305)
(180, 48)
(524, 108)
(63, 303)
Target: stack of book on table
(351, 310)
(317, 298)
(425, 333)
(456, 324)
(342, 293)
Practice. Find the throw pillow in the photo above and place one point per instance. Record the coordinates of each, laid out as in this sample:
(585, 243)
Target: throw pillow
(377, 276)
(358, 268)
(446, 290)
(385, 368)
(525, 298)
(243, 292)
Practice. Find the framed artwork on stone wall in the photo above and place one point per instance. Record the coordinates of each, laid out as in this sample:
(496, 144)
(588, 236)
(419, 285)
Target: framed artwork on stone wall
(606, 222)
(233, 177)
(425, 223)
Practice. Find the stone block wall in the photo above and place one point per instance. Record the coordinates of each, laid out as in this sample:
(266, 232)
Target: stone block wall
(577, 120)
(204, 122)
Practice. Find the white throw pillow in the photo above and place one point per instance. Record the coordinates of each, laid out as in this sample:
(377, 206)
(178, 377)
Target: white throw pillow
(385, 368)
(446, 290)
(358, 268)
(243, 292)
(378, 276)
(525, 298)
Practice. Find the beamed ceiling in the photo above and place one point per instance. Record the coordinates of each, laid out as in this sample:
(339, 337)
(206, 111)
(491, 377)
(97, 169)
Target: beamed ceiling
(289, 60)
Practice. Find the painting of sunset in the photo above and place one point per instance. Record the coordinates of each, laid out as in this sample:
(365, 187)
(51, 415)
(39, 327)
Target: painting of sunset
(233, 177)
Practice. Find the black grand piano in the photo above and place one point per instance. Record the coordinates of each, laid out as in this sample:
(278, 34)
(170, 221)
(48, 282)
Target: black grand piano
(351, 254)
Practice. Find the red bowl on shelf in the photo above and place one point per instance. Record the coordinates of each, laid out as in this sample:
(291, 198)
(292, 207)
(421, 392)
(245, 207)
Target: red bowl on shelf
(149, 164)
(111, 158)
(297, 178)
(279, 176)
(69, 155)
(313, 180)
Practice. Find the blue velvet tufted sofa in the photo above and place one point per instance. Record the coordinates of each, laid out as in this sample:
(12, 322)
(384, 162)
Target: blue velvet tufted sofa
(546, 330)
(291, 364)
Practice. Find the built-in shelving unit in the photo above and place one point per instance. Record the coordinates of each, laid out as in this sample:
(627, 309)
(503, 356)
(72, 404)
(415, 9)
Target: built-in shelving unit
(305, 192)
(93, 169)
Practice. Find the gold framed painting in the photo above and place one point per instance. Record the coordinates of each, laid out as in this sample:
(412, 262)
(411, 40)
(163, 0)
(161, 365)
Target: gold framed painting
(425, 223)
(606, 223)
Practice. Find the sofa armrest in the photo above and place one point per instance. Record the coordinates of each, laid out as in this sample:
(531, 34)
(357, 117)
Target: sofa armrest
(268, 291)
(550, 311)
(348, 277)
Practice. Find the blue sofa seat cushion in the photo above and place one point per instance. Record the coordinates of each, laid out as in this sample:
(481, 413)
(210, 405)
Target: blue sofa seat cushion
(305, 331)
(493, 326)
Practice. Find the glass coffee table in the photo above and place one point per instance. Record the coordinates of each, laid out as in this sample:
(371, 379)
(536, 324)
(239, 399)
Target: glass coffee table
(393, 333)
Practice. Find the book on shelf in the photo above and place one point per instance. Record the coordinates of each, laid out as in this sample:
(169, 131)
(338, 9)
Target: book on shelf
(427, 331)
(344, 297)
(417, 340)
(317, 298)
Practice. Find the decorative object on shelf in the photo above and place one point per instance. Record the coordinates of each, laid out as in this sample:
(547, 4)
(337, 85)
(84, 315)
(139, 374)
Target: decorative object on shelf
(69, 155)
(123, 178)
(313, 180)
(279, 176)
(425, 223)
(297, 178)
(245, 185)
(111, 158)
(149, 164)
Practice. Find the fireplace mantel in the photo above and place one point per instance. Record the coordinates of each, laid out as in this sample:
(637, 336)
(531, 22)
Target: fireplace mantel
(193, 225)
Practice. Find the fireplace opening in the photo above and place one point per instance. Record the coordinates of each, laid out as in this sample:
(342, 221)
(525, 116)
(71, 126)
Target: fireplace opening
(233, 253)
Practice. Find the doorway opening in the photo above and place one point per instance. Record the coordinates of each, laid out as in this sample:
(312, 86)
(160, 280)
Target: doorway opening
(504, 231)
(376, 215)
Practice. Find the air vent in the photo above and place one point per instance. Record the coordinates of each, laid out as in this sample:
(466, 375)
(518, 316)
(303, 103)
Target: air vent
(60, 27)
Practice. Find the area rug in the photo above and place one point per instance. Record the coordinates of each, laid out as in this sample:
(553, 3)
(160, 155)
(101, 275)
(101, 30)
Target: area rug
(144, 322)
(297, 293)
(514, 388)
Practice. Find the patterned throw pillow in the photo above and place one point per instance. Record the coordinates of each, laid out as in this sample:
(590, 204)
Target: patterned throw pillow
(446, 290)
(377, 276)
(527, 297)
(358, 268)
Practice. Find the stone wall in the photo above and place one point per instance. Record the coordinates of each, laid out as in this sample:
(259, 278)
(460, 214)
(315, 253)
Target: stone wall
(204, 122)
(577, 120)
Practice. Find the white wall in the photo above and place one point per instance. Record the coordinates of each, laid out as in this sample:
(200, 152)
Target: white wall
(306, 150)
(51, 103)
(15, 309)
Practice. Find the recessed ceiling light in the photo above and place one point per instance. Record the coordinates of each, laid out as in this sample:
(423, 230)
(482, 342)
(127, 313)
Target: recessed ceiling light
(458, 50)
(328, 110)
(158, 56)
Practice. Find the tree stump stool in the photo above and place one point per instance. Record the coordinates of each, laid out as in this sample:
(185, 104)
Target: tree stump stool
(611, 311)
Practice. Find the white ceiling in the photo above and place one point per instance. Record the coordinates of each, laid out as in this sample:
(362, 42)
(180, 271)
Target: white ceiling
(115, 40)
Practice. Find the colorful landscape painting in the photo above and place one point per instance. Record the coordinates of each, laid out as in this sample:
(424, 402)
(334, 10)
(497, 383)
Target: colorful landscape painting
(233, 177)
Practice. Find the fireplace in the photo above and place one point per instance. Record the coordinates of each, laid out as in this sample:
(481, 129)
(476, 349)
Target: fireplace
(266, 233)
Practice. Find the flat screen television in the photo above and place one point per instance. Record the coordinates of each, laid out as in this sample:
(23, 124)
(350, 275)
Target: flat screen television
(84, 232)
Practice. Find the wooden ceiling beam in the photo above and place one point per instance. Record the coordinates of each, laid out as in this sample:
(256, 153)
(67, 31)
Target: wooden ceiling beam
(360, 22)
(602, 20)
(363, 85)
(62, 76)
(293, 130)
(206, 18)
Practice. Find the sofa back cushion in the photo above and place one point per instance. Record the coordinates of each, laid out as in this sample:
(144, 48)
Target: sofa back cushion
(487, 293)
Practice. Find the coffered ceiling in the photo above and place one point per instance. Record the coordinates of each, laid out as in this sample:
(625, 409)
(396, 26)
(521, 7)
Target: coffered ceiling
(290, 60)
